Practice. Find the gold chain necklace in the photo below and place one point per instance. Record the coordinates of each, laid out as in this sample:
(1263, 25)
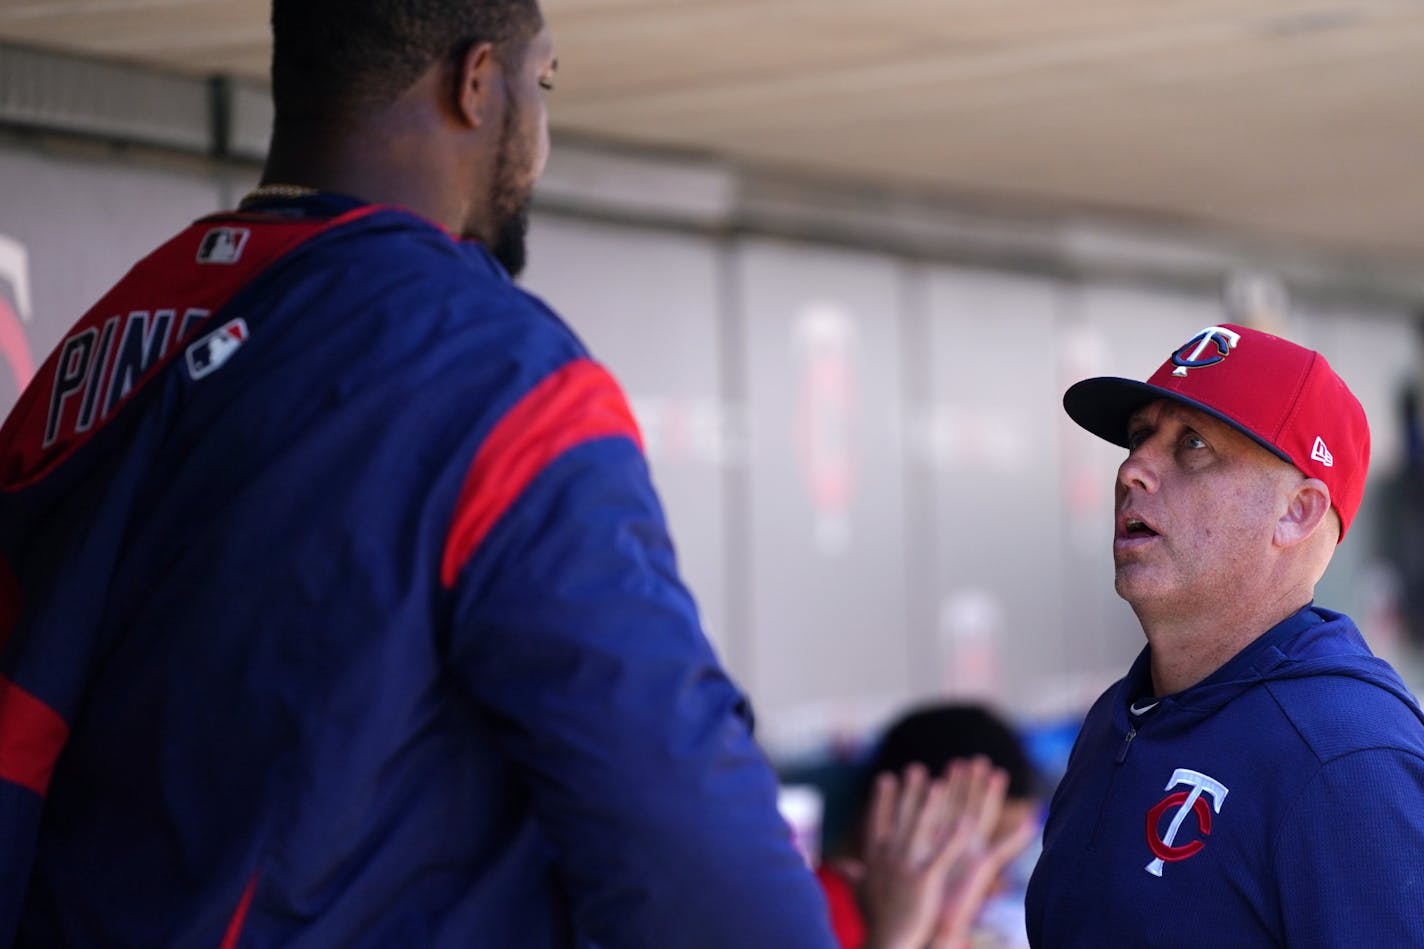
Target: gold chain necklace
(262, 192)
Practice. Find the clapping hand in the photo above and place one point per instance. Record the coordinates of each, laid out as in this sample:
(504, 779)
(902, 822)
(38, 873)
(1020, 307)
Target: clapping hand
(930, 857)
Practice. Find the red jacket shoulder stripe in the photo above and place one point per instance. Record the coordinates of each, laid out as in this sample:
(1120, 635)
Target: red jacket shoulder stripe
(31, 737)
(578, 403)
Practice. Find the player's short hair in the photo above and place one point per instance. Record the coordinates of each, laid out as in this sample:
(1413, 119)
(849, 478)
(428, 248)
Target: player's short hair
(331, 57)
(935, 735)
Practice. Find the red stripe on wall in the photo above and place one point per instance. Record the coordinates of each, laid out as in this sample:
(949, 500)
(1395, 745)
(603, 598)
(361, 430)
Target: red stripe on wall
(31, 737)
(15, 348)
(579, 403)
(239, 916)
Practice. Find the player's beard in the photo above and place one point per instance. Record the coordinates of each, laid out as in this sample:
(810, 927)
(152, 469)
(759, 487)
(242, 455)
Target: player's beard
(509, 245)
(509, 201)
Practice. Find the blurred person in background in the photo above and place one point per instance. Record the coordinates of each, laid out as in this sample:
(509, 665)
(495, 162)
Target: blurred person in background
(990, 779)
(1401, 521)
(1256, 778)
(337, 607)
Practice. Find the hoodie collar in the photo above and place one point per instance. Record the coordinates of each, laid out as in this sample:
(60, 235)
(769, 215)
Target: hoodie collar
(1258, 661)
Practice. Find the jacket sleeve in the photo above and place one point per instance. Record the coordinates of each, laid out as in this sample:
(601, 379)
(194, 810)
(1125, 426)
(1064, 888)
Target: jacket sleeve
(1348, 856)
(576, 635)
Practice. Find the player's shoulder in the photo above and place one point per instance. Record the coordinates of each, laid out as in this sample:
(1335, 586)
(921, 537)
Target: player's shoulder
(394, 243)
(1341, 711)
(410, 280)
(409, 308)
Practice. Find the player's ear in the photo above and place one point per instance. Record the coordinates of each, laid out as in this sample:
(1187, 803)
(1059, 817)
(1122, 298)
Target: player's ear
(1306, 510)
(478, 85)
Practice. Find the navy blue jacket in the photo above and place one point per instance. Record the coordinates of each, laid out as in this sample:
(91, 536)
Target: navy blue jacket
(1280, 802)
(337, 609)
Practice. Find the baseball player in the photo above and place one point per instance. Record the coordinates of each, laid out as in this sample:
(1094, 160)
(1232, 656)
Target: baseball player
(336, 604)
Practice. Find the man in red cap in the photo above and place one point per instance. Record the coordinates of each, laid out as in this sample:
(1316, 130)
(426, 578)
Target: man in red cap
(1257, 778)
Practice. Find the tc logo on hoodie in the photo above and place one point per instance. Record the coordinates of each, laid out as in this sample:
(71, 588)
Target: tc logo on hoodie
(1186, 802)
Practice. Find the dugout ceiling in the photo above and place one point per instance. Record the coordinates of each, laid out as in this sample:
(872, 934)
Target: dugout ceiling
(1286, 120)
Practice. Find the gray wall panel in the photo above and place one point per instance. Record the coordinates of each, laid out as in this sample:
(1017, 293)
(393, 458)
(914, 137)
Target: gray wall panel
(826, 573)
(989, 436)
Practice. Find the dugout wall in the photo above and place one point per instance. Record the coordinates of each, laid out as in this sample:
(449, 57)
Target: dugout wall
(850, 397)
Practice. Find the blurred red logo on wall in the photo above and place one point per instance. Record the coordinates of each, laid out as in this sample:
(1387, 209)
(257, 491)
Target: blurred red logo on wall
(827, 410)
(15, 313)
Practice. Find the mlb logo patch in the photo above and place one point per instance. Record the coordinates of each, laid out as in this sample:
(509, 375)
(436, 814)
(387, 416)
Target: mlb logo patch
(222, 245)
(208, 354)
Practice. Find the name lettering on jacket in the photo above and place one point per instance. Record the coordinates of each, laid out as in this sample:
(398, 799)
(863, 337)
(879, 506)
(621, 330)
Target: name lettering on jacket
(99, 366)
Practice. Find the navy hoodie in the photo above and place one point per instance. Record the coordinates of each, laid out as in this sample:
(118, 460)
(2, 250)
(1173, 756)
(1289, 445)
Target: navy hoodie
(1280, 801)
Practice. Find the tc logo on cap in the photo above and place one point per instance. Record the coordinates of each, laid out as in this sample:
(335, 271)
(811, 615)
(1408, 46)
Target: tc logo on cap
(1224, 339)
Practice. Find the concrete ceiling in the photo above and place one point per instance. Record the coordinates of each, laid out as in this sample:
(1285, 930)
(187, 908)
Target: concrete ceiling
(1289, 121)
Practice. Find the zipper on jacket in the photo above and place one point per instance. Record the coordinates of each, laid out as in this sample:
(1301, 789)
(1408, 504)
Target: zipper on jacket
(1126, 744)
(1111, 786)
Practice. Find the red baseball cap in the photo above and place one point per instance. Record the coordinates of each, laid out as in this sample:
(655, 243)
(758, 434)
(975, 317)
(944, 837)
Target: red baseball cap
(1280, 394)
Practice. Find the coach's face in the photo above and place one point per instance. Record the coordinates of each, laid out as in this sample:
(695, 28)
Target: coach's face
(1196, 506)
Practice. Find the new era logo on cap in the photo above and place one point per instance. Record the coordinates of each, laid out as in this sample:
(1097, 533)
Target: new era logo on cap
(1281, 394)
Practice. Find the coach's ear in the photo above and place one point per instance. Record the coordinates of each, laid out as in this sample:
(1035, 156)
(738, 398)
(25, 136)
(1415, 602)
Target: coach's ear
(1307, 507)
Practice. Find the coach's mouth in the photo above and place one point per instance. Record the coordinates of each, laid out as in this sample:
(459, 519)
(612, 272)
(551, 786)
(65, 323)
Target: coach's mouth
(1133, 530)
